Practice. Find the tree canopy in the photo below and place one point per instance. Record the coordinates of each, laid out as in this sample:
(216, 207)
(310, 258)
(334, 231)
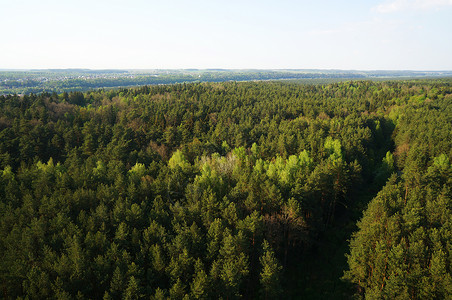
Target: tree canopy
(228, 190)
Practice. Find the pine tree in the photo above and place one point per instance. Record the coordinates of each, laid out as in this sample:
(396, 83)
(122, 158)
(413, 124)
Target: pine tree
(270, 274)
(133, 289)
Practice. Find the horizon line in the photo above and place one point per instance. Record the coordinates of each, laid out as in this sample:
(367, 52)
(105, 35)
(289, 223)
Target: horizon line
(223, 69)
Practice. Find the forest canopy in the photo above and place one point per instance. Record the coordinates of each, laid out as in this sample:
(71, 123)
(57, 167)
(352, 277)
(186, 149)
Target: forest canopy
(228, 190)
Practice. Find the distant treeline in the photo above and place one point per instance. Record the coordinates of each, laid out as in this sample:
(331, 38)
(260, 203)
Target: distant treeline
(66, 80)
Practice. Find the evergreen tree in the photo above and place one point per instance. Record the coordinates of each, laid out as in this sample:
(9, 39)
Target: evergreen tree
(270, 274)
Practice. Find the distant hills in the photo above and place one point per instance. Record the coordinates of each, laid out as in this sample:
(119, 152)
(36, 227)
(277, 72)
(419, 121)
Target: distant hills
(66, 80)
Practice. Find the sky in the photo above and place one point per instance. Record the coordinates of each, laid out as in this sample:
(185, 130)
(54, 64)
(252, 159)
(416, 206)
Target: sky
(233, 34)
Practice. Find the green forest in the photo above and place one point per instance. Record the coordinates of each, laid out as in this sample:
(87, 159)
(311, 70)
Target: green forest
(82, 80)
(254, 190)
(70, 80)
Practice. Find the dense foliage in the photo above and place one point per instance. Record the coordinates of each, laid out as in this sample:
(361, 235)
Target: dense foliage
(228, 190)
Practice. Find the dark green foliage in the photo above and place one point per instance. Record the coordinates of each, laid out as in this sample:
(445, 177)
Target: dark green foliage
(402, 248)
(226, 190)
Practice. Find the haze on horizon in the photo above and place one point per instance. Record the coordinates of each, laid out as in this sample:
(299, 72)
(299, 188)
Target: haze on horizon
(139, 34)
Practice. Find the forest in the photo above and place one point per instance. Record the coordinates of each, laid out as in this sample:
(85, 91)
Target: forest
(254, 190)
(25, 82)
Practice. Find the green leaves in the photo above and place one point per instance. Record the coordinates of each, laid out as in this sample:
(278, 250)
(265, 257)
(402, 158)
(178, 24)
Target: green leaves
(178, 160)
(333, 148)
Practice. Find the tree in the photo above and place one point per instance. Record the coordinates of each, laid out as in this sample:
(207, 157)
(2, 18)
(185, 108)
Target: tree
(133, 290)
(200, 284)
(177, 291)
(270, 273)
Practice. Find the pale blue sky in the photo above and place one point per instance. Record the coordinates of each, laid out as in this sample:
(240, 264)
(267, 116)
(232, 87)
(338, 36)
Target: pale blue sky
(278, 34)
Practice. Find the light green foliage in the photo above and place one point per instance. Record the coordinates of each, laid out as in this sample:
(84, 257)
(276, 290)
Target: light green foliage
(7, 173)
(45, 168)
(260, 166)
(178, 160)
(100, 170)
(283, 170)
(305, 159)
(209, 177)
(255, 150)
(442, 162)
(388, 161)
(137, 171)
(333, 148)
(240, 153)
